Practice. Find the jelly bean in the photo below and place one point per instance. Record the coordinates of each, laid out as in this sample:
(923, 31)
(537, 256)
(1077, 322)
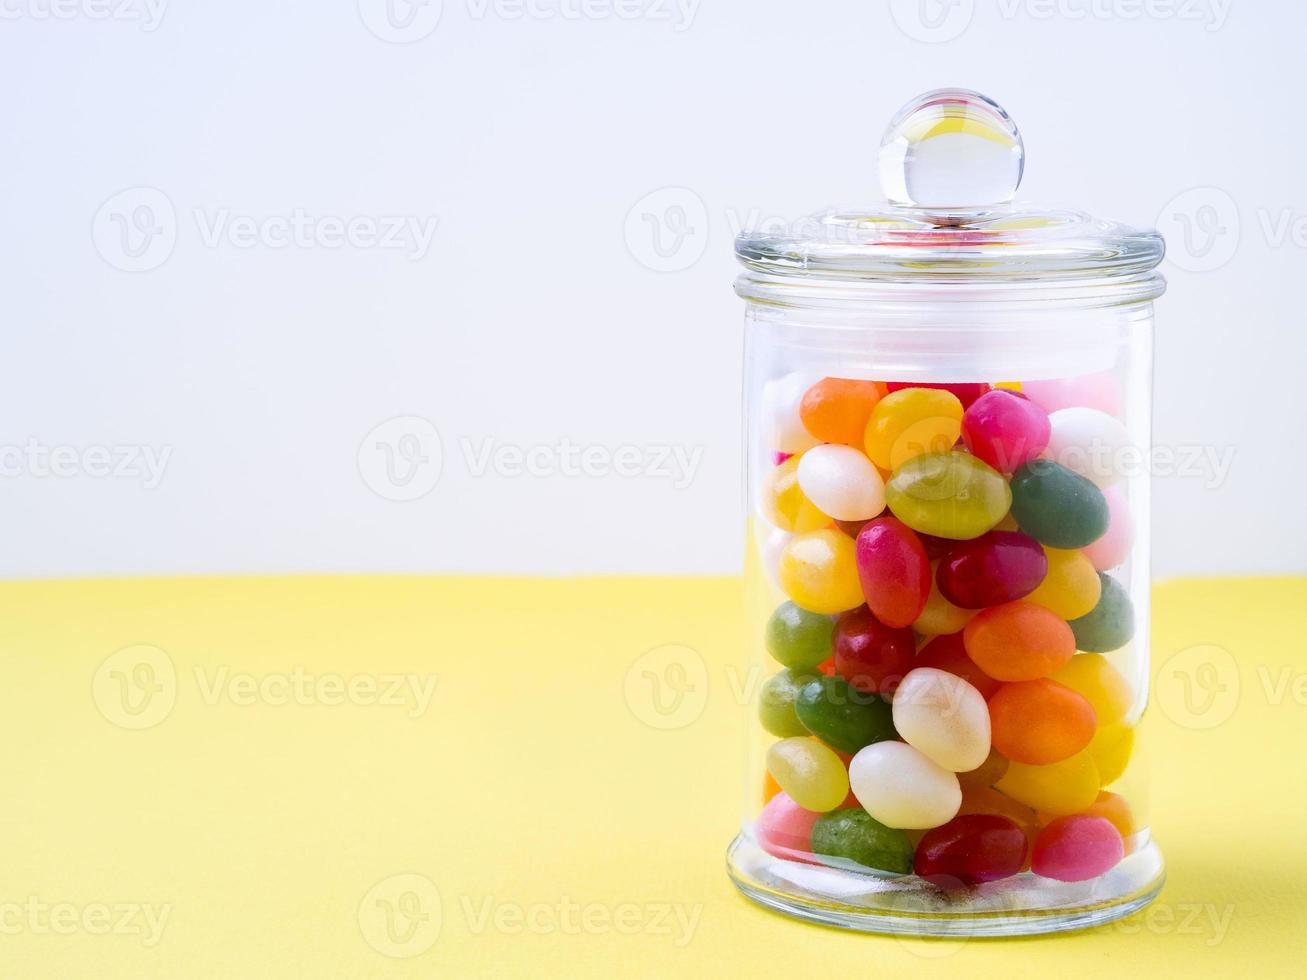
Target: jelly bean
(870, 655)
(1056, 507)
(773, 546)
(776, 704)
(783, 502)
(1040, 722)
(1101, 684)
(986, 774)
(783, 427)
(937, 548)
(971, 849)
(966, 393)
(1005, 430)
(1060, 788)
(894, 571)
(1076, 848)
(1018, 641)
(1113, 548)
(991, 801)
(943, 717)
(769, 787)
(841, 482)
(912, 421)
(818, 571)
(784, 829)
(1089, 442)
(902, 788)
(949, 495)
(948, 652)
(996, 567)
(797, 638)
(855, 835)
(1111, 750)
(1100, 391)
(939, 615)
(811, 773)
(1071, 587)
(837, 409)
(842, 717)
(1110, 624)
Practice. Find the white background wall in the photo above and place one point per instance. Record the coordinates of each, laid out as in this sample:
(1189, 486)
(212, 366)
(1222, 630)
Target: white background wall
(531, 319)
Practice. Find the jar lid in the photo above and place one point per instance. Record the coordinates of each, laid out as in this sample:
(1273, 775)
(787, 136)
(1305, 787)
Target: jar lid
(950, 163)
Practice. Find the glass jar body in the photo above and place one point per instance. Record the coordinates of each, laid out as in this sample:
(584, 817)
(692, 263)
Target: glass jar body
(947, 586)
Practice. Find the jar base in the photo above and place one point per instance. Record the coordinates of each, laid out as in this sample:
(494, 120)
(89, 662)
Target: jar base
(1022, 905)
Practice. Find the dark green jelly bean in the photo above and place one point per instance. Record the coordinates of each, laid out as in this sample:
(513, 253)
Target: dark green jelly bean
(1110, 624)
(797, 638)
(843, 717)
(776, 703)
(1057, 507)
(855, 835)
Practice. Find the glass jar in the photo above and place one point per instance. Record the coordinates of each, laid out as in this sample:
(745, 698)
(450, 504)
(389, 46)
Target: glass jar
(948, 424)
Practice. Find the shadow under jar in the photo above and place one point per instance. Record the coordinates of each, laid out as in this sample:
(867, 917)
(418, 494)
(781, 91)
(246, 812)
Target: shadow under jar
(948, 418)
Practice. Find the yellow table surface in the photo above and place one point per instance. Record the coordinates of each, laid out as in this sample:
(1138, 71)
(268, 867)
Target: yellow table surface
(220, 778)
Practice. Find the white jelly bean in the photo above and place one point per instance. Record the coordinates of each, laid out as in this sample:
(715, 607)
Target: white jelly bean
(942, 716)
(901, 788)
(772, 549)
(783, 428)
(1089, 442)
(842, 482)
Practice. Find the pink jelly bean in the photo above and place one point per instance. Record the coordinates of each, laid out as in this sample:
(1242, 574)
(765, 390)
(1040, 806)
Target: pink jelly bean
(1113, 548)
(1005, 430)
(785, 829)
(778, 458)
(1077, 848)
(966, 393)
(1100, 391)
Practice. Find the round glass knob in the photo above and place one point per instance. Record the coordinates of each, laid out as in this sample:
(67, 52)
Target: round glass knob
(951, 149)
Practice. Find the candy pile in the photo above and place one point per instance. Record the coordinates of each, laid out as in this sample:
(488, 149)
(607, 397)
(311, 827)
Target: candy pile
(945, 708)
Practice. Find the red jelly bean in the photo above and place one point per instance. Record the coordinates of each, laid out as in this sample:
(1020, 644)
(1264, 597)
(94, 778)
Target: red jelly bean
(971, 849)
(936, 547)
(894, 571)
(948, 652)
(965, 393)
(1077, 848)
(1005, 430)
(870, 655)
(994, 568)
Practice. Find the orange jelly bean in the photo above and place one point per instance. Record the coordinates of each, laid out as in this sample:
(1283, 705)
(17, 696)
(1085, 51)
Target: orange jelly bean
(837, 409)
(1040, 722)
(1019, 641)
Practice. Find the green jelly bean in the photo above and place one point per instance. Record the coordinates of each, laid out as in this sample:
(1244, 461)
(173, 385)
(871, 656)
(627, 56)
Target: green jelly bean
(855, 835)
(1110, 624)
(1057, 507)
(950, 495)
(776, 703)
(844, 718)
(799, 639)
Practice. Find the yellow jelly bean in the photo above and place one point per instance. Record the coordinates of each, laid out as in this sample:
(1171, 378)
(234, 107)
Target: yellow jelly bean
(939, 615)
(912, 421)
(1008, 385)
(1111, 750)
(1071, 587)
(785, 505)
(810, 772)
(1062, 788)
(1100, 683)
(819, 571)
